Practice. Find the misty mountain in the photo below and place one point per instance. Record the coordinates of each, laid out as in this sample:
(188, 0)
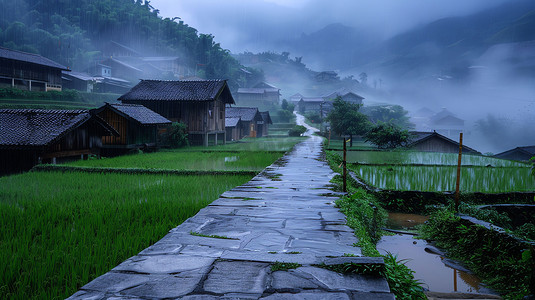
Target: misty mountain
(332, 47)
(447, 46)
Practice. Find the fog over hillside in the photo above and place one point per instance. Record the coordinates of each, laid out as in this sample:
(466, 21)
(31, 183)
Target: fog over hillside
(475, 58)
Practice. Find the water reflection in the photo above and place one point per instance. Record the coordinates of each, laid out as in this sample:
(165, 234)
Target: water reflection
(429, 268)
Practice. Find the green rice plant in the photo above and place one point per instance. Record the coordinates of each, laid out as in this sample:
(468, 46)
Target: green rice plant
(178, 160)
(59, 230)
(425, 158)
(443, 178)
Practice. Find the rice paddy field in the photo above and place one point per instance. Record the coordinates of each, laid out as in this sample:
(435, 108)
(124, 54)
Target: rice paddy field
(181, 160)
(60, 230)
(437, 172)
(425, 158)
(443, 178)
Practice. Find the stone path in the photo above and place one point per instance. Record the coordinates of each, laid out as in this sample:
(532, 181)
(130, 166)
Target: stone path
(285, 214)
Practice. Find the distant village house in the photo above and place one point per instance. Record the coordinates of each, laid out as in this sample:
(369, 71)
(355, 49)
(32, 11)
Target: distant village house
(254, 123)
(518, 153)
(261, 94)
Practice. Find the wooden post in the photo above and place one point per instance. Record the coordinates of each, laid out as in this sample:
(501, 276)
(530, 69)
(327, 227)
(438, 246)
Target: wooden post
(344, 176)
(329, 145)
(458, 172)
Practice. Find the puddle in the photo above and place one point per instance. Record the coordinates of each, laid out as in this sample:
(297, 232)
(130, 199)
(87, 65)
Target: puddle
(401, 221)
(429, 268)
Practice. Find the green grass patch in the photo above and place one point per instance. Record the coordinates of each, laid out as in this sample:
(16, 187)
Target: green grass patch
(59, 230)
(180, 160)
(284, 266)
(443, 178)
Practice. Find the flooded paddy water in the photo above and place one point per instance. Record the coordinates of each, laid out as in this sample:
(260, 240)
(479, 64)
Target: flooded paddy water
(435, 271)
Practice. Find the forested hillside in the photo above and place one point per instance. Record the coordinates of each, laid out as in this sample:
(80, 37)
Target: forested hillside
(74, 33)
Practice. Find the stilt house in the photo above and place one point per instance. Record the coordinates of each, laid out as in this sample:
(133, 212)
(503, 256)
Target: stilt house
(198, 104)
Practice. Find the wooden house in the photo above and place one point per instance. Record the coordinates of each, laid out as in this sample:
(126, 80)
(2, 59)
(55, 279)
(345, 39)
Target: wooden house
(267, 121)
(327, 76)
(138, 127)
(78, 81)
(252, 121)
(28, 71)
(123, 70)
(261, 94)
(346, 94)
(518, 153)
(446, 123)
(435, 142)
(198, 104)
(234, 128)
(31, 136)
(311, 104)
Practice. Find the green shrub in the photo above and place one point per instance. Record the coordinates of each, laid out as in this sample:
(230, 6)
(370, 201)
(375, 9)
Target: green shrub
(474, 245)
(176, 135)
(297, 130)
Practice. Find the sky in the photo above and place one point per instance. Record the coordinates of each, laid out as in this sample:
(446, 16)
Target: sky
(255, 25)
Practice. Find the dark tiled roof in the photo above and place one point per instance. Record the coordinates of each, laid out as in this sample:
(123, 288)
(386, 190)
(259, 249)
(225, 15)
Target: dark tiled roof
(141, 114)
(37, 127)
(79, 75)
(528, 150)
(157, 90)
(29, 57)
(232, 122)
(247, 114)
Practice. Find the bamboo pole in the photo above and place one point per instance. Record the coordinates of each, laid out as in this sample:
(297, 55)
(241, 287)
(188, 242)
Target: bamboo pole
(344, 163)
(458, 172)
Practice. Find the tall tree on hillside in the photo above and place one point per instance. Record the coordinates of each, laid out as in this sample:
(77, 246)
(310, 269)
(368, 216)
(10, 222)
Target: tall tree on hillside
(394, 114)
(346, 119)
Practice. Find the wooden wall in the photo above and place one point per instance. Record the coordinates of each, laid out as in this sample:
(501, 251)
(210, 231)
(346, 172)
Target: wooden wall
(199, 116)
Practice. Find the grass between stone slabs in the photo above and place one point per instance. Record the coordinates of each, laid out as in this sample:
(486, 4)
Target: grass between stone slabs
(59, 230)
(284, 266)
(213, 236)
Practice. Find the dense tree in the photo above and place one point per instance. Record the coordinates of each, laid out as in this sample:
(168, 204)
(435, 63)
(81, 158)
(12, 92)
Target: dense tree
(394, 114)
(346, 119)
(71, 32)
(387, 135)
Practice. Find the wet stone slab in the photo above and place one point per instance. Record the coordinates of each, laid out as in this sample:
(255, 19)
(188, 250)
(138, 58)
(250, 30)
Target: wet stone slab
(237, 277)
(227, 250)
